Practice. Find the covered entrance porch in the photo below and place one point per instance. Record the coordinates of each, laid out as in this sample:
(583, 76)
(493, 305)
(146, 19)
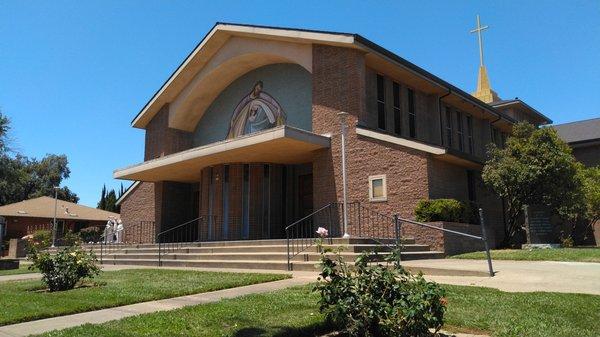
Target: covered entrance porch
(247, 188)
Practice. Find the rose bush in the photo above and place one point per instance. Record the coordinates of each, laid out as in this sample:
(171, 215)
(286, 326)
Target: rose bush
(66, 268)
(377, 299)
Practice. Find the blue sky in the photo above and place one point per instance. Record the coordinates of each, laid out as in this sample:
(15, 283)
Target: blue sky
(73, 74)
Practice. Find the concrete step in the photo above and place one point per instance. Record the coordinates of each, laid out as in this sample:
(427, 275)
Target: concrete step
(298, 263)
(356, 248)
(306, 256)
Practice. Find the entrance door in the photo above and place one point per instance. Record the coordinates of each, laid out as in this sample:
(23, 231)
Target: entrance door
(305, 194)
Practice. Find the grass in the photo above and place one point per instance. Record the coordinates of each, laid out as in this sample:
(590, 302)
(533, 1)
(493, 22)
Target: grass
(27, 300)
(558, 254)
(21, 270)
(293, 313)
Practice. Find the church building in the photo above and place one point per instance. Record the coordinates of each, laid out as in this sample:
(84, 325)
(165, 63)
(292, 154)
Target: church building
(246, 135)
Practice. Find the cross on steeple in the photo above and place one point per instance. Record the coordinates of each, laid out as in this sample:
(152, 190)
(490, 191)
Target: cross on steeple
(484, 90)
(478, 30)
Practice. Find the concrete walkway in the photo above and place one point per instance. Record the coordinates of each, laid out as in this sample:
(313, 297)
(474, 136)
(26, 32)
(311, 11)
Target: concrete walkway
(520, 276)
(105, 315)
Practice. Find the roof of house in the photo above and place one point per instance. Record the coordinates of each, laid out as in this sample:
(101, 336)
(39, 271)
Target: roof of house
(579, 131)
(43, 207)
(313, 36)
(508, 102)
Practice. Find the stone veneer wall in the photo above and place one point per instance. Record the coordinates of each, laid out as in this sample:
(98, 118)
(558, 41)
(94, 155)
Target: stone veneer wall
(339, 85)
(139, 206)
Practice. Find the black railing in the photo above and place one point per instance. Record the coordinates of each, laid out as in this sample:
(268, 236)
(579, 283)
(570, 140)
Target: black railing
(362, 222)
(174, 238)
(141, 232)
(482, 238)
(301, 234)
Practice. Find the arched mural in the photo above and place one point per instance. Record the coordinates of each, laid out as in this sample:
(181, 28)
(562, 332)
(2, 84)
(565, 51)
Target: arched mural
(256, 112)
(266, 97)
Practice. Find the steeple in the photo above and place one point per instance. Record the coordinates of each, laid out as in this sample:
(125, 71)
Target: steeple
(484, 90)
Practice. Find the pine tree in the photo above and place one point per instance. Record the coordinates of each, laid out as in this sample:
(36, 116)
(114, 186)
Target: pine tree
(102, 202)
(111, 201)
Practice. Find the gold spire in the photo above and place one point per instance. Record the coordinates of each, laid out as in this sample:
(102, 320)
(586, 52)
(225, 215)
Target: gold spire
(484, 90)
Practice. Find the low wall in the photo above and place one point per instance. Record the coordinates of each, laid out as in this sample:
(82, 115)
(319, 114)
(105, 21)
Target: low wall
(17, 248)
(450, 244)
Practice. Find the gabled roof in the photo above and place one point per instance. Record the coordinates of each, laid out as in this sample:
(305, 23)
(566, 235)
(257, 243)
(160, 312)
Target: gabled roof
(43, 207)
(221, 31)
(579, 131)
(516, 101)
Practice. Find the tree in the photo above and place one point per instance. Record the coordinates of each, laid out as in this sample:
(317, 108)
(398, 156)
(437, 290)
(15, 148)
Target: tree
(102, 202)
(111, 201)
(590, 178)
(535, 168)
(108, 201)
(4, 127)
(22, 178)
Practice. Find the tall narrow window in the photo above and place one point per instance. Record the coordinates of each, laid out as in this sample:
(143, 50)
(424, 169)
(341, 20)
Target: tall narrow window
(380, 102)
(397, 111)
(495, 136)
(246, 203)
(226, 201)
(470, 134)
(471, 186)
(448, 127)
(411, 114)
(459, 130)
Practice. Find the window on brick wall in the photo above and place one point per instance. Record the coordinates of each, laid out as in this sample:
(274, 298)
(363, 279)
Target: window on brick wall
(381, 102)
(412, 117)
(470, 143)
(377, 188)
(496, 137)
(459, 130)
(471, 186)
(397, 111)
(448, 127)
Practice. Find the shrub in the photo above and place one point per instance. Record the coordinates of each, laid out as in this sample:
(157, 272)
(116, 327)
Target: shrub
(70, 239)
(91, 234)
(450, 210)
(63, 270)
(378, 300)
(40, 239)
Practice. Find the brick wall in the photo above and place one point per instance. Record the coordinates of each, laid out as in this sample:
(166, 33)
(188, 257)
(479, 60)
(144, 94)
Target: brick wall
(162, 140)
(139, 206)
(588, 155)
(339, 85)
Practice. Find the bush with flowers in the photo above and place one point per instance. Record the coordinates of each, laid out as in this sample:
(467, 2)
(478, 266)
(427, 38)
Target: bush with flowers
(66, 268)
(375, 299)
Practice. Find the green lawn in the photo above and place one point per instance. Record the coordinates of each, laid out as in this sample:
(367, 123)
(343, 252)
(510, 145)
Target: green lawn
(26, 300)
(558, 254)
(294, 313)
(22, 270)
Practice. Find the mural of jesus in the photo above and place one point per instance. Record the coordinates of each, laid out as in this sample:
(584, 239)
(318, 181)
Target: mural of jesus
(257, 111)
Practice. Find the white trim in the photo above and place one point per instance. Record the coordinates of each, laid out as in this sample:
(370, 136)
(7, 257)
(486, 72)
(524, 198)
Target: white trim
(129, 190)
(384, 181)
(401, 141)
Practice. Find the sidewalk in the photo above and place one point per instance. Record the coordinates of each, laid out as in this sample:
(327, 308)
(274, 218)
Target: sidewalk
(520, 276)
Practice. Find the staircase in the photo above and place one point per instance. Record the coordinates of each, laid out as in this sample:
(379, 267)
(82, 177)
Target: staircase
(250, 254)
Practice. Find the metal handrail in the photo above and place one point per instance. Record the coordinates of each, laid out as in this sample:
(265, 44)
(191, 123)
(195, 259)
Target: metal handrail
(160, 237)
(300, 243)
(483, 236)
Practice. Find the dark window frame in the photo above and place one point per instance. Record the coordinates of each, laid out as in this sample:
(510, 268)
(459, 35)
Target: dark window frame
(471, 144)
(460, 130)
(397, 107)
(381, 102)
(412, 115)
(449, 127)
